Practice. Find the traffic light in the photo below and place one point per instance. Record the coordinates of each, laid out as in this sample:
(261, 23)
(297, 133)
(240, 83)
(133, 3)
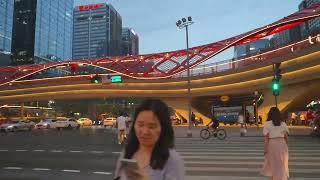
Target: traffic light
(275, 87)
(276, 79)
(96, 79)
(277, 71)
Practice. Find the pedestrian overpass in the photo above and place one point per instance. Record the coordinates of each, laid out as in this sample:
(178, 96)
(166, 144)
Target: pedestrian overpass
(162, 75)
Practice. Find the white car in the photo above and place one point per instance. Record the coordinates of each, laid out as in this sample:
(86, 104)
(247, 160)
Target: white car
(84, 122)
(69, 123)
(110, 121)
(47, 124)
(17, 125)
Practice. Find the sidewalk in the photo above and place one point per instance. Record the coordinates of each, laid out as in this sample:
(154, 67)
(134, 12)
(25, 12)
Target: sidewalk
(253, 131)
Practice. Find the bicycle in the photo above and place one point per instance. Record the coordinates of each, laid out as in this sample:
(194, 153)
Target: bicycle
(207, 132)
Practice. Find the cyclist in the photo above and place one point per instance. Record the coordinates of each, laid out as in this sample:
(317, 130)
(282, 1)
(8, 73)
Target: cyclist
(214, 123)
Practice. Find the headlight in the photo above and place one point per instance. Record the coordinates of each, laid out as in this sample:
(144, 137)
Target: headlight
(10, 126)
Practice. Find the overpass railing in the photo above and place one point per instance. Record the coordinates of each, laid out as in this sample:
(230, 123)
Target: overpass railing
(266, 54)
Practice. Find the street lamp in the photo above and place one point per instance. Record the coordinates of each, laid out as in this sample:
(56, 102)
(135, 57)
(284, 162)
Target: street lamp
(184, 23)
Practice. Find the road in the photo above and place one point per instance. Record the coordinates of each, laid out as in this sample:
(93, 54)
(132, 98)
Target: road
(91, 153)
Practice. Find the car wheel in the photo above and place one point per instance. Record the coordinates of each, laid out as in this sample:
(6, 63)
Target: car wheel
(14, 129)
(69, 126)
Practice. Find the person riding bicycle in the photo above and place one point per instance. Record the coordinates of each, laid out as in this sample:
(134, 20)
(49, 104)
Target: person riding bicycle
(214, 123)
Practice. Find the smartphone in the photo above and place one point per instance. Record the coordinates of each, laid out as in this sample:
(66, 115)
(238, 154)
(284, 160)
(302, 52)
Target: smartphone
(129, 163)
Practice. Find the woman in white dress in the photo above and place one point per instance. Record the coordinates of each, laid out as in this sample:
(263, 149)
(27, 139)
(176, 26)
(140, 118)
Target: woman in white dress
(276, 154)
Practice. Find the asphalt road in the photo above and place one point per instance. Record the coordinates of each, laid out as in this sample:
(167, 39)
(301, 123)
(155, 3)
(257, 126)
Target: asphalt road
(91, 153)
(50, 154)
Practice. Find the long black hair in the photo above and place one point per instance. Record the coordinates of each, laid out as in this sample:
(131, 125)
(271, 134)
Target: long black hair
(160, 152)
(274, 115)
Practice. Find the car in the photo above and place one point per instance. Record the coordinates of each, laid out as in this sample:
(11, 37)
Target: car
(17, 125)
(109, 121)
(47, 124)
(69, 123)
(84, 122)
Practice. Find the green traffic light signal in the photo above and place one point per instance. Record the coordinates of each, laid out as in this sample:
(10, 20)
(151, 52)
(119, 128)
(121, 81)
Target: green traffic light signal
(275, 87)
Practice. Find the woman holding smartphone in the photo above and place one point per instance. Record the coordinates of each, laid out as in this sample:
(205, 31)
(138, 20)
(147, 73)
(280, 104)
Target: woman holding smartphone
(150, 144)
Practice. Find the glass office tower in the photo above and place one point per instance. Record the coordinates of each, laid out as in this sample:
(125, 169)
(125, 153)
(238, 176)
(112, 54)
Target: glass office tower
(96, 31)
(42, 29)
(6, 18)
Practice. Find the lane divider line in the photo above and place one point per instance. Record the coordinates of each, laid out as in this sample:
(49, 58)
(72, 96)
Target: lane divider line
(76, 151)
(38, 150)
(13, 168)
(71, 170)
(104, 173)
(97, 152)
(56, 151)
(41, 169)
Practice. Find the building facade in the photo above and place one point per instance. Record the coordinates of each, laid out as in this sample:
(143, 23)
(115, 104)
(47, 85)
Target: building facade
(96, 31)
(41, 29)
(130, 42)
(6, 19)
(312, 26)
(251, 48)
(287, 36)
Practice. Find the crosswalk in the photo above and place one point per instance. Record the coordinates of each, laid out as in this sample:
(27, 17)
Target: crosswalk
(241, 158)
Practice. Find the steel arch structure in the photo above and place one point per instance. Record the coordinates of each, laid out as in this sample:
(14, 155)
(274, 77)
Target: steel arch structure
(165, 64)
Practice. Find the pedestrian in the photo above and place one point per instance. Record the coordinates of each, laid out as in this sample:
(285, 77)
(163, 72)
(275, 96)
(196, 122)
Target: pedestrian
(275, 133)
(243, 125)
(309, 117)
(121, 127)
(293, 118)
(193, 119)
(303, 118)
(150, 143)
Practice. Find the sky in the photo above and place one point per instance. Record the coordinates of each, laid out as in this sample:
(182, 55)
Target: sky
(214, 20)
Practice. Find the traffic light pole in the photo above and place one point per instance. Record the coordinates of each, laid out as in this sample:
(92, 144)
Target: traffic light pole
(276, 100)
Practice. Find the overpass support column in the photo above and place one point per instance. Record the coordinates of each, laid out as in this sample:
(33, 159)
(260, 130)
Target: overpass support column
(92, 111)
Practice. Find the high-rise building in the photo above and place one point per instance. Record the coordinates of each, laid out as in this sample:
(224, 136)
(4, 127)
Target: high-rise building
(251, 48)
(96, 31)
(6, 18)
(42, 29)
(287, 36)
(312, 26)
(130, 42)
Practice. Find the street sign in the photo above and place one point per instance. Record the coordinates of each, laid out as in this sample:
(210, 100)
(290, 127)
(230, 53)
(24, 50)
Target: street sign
(116, 79)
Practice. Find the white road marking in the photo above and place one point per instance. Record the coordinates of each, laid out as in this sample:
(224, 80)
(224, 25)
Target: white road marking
(41, 169)
(38, 150)
(3, 150)
(105, 173)
(75, 151)
(97, 152)
(71, 170)
(116, 152)
(56, 151)
(21, 150)
(12, 168)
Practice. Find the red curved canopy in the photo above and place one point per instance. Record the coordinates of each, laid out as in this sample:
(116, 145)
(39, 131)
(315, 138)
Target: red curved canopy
(165, 64)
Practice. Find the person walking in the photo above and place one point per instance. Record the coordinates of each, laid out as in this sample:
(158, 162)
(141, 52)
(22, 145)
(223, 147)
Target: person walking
(150, 144)
(121, 126)
(243, 125)
(276, 155)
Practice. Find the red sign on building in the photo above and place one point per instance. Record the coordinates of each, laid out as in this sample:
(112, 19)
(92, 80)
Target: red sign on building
(91, 6)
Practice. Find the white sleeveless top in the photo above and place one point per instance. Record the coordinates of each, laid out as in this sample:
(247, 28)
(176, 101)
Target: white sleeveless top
(275, 131)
